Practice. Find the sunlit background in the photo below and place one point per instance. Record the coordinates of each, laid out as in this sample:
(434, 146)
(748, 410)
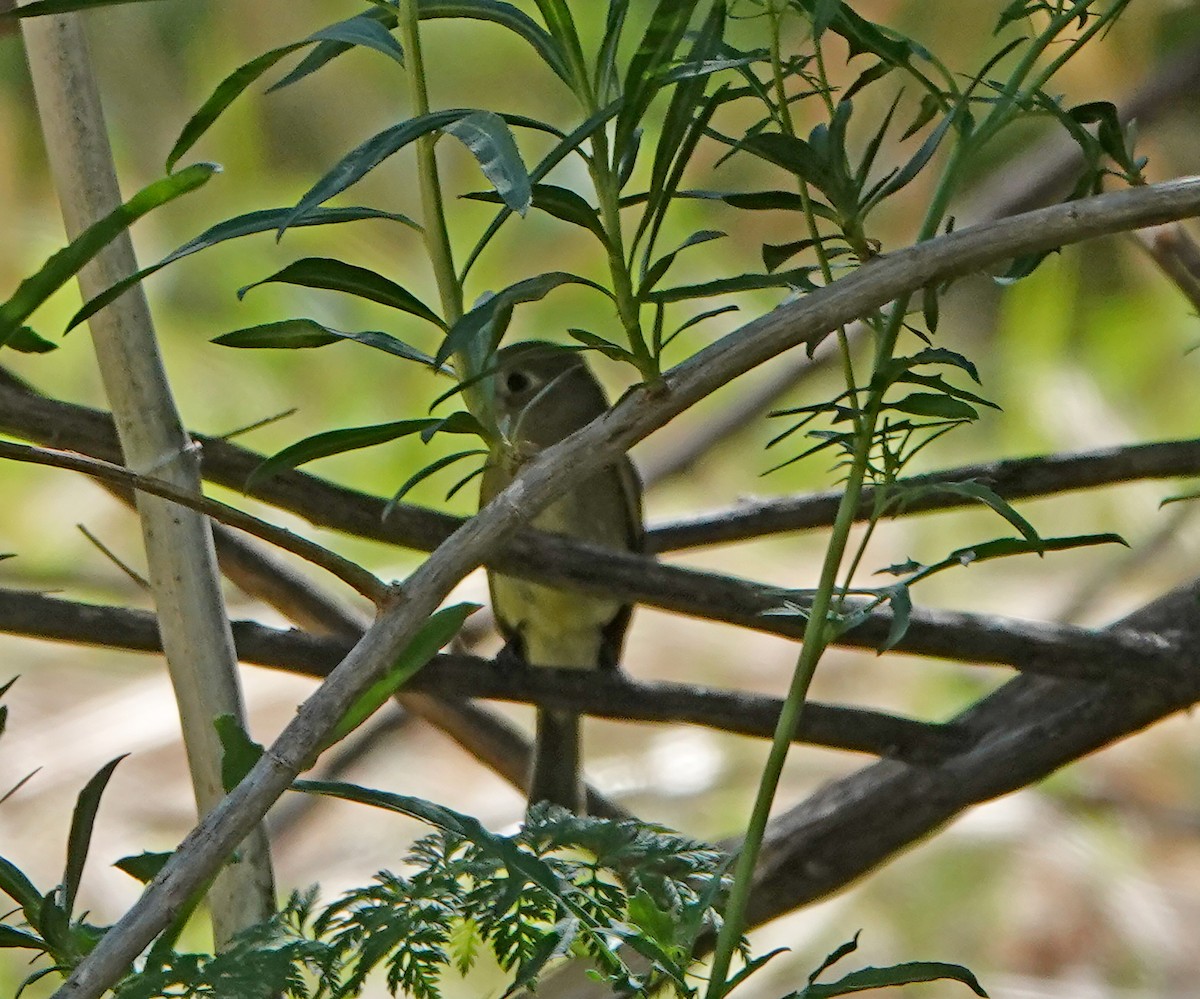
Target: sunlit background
(1086, 885)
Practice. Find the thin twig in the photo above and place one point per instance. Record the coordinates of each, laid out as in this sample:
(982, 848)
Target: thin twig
(348, 572)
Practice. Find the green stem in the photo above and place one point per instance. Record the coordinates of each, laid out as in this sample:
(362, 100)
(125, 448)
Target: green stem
(604, 179)
(816, 638)
(437, 236)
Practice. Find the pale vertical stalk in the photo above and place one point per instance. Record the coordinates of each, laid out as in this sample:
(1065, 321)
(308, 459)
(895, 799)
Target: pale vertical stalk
(179, 549)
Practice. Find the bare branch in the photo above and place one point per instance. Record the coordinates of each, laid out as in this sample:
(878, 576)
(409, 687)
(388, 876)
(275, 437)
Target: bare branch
(1015, 478)
(1059, 650)
(604, 695)
(348, 572)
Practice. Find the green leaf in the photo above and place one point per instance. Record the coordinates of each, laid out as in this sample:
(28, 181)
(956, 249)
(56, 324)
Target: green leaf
(226, 92)
(514, 858)
(441, 627)
(567, 145)
(20, 889)
(561, 202)
(976, 491)
(909, 973)
(508, 16)
(424, 473)
(336, 275)
(27, 341)
(144, 866)
(79, 839)
(68, 261)
(654, 54)
(491, 142)
(365, 157)
(900, 601)
(239, 752)
(936, 405)
(491, 317)
(659, 268)
(300, 334)
(11, 937)
(333, 442)
(798, 278)
(329, 48)
(265, 220)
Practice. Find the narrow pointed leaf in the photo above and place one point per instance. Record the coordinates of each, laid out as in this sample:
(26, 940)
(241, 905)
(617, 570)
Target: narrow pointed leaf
(336, 275)
(80, 837)
(333, 442)
(68, 261)
(420, 476)
(493, 313)
(365, 157)
(909, 973)
(238, 751)
(561, 202)
(300, 334)
(11, 937)
(266, 220)
(27, 341)
(930, 404)
(20, 889)
(226, 92)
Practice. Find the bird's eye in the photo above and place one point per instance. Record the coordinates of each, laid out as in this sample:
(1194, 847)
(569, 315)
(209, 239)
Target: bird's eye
(516, 382)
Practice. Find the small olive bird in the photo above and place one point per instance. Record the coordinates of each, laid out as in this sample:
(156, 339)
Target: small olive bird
(542, 393)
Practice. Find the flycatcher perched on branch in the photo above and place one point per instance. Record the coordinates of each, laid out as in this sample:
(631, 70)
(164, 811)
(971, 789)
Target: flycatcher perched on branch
(541, 394)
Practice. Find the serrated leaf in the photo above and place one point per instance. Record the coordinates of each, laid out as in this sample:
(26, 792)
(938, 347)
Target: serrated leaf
(336, 275)
(144, 867)
(241, 225)
(67, 262)
(490, 141)
(331, 442)
(80, 837)
(303, 334)
(441, 627)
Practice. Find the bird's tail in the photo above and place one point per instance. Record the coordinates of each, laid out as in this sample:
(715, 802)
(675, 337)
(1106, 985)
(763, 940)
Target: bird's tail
(556, 769)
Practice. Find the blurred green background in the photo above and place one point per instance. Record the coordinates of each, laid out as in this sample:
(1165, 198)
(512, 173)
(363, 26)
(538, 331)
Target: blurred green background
(1088, 885)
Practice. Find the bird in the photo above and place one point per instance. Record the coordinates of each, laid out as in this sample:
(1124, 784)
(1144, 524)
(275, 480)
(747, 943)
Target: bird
(541, 393)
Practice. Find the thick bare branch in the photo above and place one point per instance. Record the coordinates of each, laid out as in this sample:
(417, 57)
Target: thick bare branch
(1020, 733)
